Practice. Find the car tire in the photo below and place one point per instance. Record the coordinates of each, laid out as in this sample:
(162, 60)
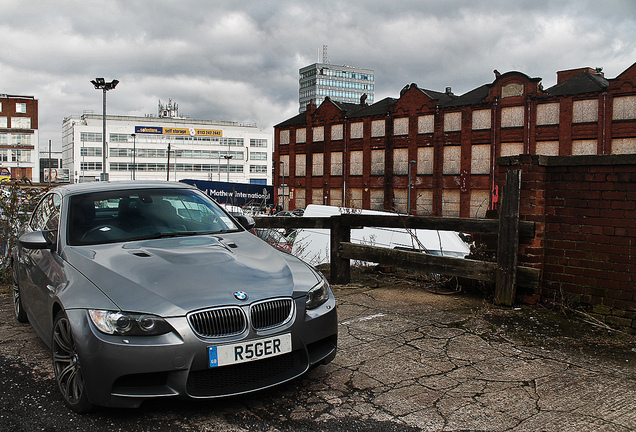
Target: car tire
(20, 313)
(67, 366)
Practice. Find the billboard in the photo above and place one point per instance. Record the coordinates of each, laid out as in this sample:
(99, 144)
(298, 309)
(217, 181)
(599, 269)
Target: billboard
(237, 194)
(57, 175)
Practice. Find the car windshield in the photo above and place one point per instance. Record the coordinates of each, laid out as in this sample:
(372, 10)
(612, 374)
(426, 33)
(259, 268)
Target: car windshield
(126, 215)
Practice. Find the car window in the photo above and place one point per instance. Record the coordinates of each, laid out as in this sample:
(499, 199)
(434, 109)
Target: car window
(113, 216)
(47, 214)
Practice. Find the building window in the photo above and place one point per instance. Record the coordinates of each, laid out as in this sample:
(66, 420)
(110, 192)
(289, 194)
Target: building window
(91, 166)
(21, 139)
(481, 119)
(21, 156)
(300, 165)
(4, 156)
(232, 142)
(377, 128)
(301, 135)
(284, 137)
(91, 151)
(357, 130)
(3, 122)
(512, 117)
(336, 132)
(624, 108)
(426, 124)
(20, 108)
(317, 165)
(258, 169)
(510, 90)
(21, 122)
(119, 137)
(452, 122)
(336, 163)
(258, 142)
(319, 134)
(91, 137)
(401, 126)
(548, 114)
(585, 111)
(258, 155)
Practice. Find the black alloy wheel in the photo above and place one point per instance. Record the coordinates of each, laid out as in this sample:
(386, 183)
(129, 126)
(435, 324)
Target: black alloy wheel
(20, 314)
(67, 367)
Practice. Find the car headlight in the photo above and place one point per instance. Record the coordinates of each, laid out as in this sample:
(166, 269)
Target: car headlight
(317, 295)
(129, 324)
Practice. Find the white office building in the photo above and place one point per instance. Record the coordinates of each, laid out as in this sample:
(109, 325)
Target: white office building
(166, 147)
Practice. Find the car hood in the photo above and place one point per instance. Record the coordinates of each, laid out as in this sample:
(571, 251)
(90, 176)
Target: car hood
(172, 276)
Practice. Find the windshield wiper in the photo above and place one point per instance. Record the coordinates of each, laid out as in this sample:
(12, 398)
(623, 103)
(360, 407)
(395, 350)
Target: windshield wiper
(159, 235)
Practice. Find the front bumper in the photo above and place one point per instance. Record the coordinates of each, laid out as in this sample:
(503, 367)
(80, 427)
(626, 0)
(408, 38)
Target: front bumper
(124, 371)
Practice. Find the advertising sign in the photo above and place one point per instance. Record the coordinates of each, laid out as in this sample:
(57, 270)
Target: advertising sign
(237, 194)
(189, 131)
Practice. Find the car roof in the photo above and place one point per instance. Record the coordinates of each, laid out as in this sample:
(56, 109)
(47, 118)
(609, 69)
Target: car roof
(81, 188)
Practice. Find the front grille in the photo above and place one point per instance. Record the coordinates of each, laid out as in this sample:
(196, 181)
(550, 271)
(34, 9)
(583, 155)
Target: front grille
(271, 313)
(226, 321)
(245, 377)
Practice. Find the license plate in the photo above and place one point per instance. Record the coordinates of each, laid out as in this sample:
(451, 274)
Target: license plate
(242, 352)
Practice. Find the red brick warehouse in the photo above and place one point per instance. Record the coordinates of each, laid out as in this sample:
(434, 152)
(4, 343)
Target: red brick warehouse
(360, 156)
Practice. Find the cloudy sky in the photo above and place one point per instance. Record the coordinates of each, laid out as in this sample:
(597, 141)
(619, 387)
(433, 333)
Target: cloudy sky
(238, 60)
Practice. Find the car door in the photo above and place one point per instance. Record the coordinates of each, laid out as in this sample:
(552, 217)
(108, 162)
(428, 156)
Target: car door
(42, 267)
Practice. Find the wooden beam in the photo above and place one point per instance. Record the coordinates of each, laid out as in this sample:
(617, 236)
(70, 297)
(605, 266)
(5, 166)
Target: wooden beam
(508, 240)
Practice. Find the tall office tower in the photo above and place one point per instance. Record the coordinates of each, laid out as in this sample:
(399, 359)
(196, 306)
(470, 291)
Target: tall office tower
(340, 83)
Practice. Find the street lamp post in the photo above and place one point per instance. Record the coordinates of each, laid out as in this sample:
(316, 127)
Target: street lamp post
(101, 84)
(408, 204)
(227, 157)
(134, 155)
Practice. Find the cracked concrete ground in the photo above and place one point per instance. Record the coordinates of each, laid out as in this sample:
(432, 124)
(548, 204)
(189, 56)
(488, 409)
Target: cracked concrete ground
(408, 360)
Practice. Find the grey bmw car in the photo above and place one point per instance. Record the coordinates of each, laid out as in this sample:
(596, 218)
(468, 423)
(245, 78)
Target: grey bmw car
(150, 289)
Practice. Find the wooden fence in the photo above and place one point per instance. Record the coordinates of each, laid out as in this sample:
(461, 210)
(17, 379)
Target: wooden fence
(504, 273)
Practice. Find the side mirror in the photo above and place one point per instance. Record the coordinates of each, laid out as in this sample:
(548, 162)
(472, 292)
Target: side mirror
(38, 240)
(246, 222)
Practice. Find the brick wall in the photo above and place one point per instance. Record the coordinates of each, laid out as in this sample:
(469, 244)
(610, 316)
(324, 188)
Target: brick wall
(585, 213)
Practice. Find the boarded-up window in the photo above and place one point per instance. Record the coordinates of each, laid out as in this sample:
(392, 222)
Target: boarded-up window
(425, 160)
(336, 132)
(480, 159)
(400, 200)
(317, 196)
(400, 161)
(584, 147)
(301, 135)
(355, 164)
(481, 119)
(585, 111)
(317, 164)
(377, 162)
(512, 117)
(479, 201)
(548, 148)
(284, 137)
(319, 133)
(377, 199)
(299, 198)
(452, 159)
(510, 90)
(548, 114)
(377, 128)
(511, 149)
(300, 165)
(357, 130)
(355, 198)
(450, 203)
(624, 108)
(424, 202)
(335, 197)
(285, 165)
(452, 122)
(624, 146)
(426, 124)
(401, 126)
(336, 163)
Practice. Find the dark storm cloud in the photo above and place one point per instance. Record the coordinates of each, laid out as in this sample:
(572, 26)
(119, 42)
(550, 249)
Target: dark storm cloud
(239, 61)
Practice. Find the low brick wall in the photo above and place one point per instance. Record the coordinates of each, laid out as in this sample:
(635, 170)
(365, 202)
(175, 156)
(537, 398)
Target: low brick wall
(585, 213)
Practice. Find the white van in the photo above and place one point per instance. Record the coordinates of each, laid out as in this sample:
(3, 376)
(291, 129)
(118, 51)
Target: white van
(312, 245)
